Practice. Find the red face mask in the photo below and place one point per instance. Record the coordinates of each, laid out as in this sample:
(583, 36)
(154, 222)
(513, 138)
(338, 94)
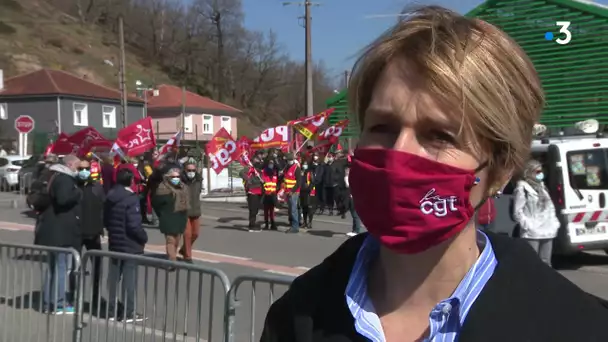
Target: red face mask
(408, 202)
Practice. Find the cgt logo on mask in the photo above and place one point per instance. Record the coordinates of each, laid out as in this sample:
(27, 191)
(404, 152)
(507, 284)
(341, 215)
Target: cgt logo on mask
(437, 205)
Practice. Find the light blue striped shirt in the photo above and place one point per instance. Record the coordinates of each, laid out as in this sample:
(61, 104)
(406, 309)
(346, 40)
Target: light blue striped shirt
(446, 318)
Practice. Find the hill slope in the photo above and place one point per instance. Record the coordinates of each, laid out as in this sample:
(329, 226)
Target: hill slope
(34, 34)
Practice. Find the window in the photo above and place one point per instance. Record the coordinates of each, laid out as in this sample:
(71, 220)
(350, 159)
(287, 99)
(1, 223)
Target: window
(588, 169)
(109, 116)
(227, 123)
(81, 114)
(3, 111)
(207, 124)
(188, 123)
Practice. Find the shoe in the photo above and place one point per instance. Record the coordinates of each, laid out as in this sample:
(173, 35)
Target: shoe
(266, 226)
(331, 213)
(273, 226)
(351, 234)
(255, 229)
(187, 260)
(135, 317)
(291, 231)
(343, 216)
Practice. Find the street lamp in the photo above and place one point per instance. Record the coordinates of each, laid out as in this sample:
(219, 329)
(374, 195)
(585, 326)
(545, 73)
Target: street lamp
(140, 86)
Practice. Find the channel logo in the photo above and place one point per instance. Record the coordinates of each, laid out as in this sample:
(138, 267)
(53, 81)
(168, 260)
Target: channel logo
(564, 35)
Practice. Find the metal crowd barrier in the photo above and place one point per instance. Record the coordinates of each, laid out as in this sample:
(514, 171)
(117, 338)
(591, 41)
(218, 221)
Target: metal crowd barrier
(35, 292)
(176, 304)
(234, 303)
(175, 301)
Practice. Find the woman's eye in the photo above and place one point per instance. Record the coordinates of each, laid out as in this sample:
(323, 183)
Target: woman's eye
(440, 137)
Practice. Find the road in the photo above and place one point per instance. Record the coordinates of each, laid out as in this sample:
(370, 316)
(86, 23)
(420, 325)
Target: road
(171, 300)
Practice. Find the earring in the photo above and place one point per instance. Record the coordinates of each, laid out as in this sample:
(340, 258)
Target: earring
(477, 180)
(497, 194)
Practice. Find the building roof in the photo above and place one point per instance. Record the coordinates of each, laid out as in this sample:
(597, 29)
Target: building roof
(58, 82)
(170, 97)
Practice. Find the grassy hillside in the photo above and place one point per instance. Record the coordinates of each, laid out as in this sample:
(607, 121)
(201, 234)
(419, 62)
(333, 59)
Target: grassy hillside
(34, 35)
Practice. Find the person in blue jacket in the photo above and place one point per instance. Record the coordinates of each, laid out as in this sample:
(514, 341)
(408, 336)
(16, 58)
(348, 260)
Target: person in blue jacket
(122, 219)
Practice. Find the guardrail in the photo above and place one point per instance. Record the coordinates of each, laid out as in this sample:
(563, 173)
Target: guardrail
(178, 301)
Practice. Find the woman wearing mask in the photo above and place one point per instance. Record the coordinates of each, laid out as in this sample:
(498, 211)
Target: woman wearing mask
(308, 196)
(534, 212)
(170, 202)
(194, 182)
(349, 205)
(446, 106)
(269, 199)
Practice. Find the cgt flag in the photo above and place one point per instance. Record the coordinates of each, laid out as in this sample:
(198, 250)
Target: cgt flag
(309, 126)
(222, 150)
(276, 137)
(137, 138)
(332, 133)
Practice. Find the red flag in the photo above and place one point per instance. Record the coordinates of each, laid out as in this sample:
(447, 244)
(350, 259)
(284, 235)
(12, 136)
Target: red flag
(276, 137)
(322, 149)
(137, 138)
(332, 133)
(308, 126)
(222, 150)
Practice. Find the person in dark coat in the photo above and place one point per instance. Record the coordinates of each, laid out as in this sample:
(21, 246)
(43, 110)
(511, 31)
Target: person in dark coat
(194, 181)
(91, 221)
(107, 173)
(171, 202)
(122, 219)
(58, 226)
(329, 185)
(308, 197)
(338, 171)
(318, 174)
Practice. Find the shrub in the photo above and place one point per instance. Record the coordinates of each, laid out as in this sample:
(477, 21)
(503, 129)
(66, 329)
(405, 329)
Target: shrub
(56, 42)
(6, 28)
(77, 50)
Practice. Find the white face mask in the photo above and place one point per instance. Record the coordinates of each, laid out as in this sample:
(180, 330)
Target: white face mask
(190, 174)
(305, 167)
(135, 164)
(290, 162)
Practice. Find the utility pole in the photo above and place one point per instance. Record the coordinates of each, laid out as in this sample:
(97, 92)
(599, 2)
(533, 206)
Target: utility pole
(184, 112)
(123, 85)
(308, 58)
(346, 78)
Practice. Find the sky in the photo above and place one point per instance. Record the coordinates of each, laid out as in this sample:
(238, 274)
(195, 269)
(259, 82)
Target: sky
(340, 28)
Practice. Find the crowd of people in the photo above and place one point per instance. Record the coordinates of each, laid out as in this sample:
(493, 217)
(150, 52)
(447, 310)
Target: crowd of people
(78, 200)
(307, 183)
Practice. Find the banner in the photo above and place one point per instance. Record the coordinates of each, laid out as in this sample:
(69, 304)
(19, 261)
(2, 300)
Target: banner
(276, 137)
(332, 133)
(322, 149)
(171, 145)
(222, 151)
(62, 145)
(308, 126)
(137, 138)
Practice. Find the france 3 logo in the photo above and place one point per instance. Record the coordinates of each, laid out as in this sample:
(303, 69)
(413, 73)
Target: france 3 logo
(564, 35)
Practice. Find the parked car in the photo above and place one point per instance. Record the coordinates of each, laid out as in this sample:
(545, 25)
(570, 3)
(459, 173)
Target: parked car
(9, 171)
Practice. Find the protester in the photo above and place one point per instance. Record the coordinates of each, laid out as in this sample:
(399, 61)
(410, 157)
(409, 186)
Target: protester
(329, 185)
(269, 199)
(125, 235)
(534, 211)
(446, 106)
(254, 189)
(171, 203)
(131, 164)
(349, 205)
(338, 168)
(58, 226)
(319, 186)
(308, 195)
(42, 169)
(107, 173)
(91, 219)
(291, 185)
(193, 180)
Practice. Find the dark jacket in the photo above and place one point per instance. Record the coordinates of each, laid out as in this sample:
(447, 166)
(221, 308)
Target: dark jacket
(195, 186)
(107, 176)
(328, 176)
(122, 219)
(170, 222)
(318, 169)
(305, 188)
(91, 207)
(58, 225)
(524, 301)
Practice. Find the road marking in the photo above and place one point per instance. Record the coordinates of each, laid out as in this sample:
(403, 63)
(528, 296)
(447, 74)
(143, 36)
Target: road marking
(302, 268)
(226, 255)
(10, 229)
(209, 257)
(316, 219)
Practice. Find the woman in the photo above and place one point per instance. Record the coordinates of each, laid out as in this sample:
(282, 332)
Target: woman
(534, 212)
(308, 195)
(446, 106)
(171, 203)
(194, 181)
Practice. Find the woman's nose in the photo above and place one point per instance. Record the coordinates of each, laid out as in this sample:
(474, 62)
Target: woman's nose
(406, 141)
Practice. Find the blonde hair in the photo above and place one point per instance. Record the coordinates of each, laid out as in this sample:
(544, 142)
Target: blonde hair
(469, 64)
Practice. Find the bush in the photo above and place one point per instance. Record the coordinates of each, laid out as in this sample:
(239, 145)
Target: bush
(56, 42)
(77, 50)
(11, 4)
(6, 28)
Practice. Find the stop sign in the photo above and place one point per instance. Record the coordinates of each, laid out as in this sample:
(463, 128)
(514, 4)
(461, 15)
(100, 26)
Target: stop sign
(24, 124)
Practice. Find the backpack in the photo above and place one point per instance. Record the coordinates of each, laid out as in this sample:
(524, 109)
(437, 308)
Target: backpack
(39, 197)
